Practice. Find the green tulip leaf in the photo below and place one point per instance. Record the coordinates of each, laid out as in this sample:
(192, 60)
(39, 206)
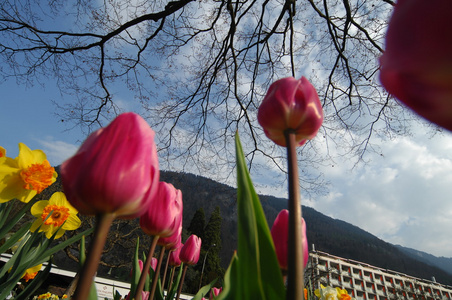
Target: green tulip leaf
(256, 269)
(175, 284)
(231, 282)
(136, 273)
(204, 290)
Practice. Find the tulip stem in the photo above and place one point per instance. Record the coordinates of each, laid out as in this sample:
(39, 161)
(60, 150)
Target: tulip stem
(181, 283)
(170, 283)
(89, 268)
(166, 269)
(146, 267)
(157, 273)
(295, 284)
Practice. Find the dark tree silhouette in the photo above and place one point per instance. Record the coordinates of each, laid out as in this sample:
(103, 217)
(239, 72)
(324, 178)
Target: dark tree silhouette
(197, 224)
(211, 248)
(201, 68)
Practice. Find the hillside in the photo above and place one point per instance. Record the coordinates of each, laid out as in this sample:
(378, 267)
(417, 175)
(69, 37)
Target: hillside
(327, 234)
(444, 263)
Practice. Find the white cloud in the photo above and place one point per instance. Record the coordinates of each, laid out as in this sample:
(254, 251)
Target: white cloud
(401, 197)
(57, 151)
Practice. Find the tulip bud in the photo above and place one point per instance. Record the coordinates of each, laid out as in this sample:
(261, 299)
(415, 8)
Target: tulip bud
(290, 105)
(162, 216)
(144, 296)
(280, 235)
(174, 259)
(189, 253)
(416, 66)
(115, 170)
(154, 262)
(214, 292)
(140, 265)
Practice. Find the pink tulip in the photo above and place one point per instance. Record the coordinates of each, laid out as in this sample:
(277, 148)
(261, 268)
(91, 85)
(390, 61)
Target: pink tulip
(173, 241)
(416, 67)
(215, 292)
(174, 259)
(162, 216)
(154, 262)
(144, 296)
(140, 265)
(189, 253)
(290, 105)
(280, 235)
(115, 170)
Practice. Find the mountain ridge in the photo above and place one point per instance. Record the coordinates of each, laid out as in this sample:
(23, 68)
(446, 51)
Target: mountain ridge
(329, 235)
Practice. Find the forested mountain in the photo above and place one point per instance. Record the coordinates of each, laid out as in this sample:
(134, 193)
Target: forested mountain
(444, 263)
(327, 234)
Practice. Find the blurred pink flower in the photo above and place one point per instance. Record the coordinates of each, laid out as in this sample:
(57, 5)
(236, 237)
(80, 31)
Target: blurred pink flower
(280, 235)
(416, 67)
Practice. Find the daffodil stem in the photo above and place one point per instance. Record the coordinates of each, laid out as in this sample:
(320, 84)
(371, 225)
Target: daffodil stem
(146, 267)
(89, 268)
(295, 284)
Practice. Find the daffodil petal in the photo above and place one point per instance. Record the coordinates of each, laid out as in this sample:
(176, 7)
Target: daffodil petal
(27, 156)
(72, 223)
(38, 207)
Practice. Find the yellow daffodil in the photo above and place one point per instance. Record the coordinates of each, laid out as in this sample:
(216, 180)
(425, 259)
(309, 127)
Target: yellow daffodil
(2, 152)
(63, 214)
(26, 175)
(30, 273)
(343, 294)
(326, 293)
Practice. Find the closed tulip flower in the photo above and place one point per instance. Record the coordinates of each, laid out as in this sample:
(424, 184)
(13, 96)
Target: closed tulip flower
(115, 170)
(280, 235)
(174, 259)
(214, 292)
(189, 253)
(290, 105)
(162, 217)
(416, 67)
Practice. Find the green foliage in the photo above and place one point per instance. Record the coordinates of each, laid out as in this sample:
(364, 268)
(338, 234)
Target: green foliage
(82, 256)
(254, 272)
(204, 291)
(211, 246)
(32, 249)
(198, 223)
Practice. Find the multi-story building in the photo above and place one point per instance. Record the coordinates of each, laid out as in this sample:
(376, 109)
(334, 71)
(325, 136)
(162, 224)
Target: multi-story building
(363, 281)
